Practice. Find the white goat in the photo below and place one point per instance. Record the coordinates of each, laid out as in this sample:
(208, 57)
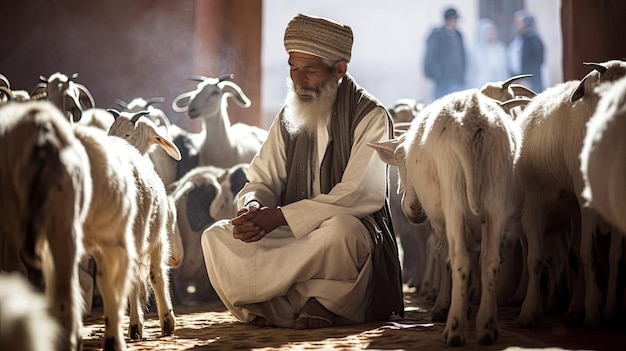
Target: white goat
(26, 323)
(224, 145)
(456, 166)
(45, 193)
(554, 126)
(188, 142)
(603, 156)
(123, 232)
(202, 196)
(68, 96)
(7, 94)
(603, 166)
(144, 135)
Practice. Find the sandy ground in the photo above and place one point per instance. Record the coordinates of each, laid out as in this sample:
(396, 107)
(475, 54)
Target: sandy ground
(211, 327)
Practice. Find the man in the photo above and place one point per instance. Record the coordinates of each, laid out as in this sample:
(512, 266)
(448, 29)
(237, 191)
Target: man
(312, 244)
(445, 61)
(526, 51)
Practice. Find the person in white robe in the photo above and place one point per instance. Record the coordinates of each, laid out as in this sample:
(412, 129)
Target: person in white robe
(312, 244)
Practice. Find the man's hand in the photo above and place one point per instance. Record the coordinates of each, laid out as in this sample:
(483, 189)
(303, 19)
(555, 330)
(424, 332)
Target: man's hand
(252, 224)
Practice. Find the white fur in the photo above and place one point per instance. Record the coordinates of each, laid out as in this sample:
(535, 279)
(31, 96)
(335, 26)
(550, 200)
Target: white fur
(224, 144)
(46, 192)
(456, 165)
(553, 130)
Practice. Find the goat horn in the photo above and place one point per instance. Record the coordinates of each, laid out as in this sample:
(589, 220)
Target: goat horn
(228, 76)
(597, 66)
(136, 116)
(521, 90)
(74, 75)
(43, 79)
(154, 100)
(197, 77)
(512, 103)
(121, 103)
(114, 112)
(507, 82)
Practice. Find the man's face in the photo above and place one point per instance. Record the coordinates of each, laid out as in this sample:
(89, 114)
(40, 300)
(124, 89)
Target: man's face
(308, 73)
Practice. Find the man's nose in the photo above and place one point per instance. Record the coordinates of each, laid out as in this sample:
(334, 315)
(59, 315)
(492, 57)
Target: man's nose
(299, 80)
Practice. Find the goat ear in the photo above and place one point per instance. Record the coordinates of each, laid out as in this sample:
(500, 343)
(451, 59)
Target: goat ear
(579, 92)
(240, 97)
(169, 147)
(386, 150)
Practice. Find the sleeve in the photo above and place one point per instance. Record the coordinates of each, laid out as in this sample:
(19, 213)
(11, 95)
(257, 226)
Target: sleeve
(431, 67)
(362, 188)
(267, 171)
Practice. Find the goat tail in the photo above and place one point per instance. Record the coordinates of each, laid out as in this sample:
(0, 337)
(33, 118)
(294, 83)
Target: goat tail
(471, 163)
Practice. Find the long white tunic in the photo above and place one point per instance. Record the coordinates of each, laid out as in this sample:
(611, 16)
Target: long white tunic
(324, 252)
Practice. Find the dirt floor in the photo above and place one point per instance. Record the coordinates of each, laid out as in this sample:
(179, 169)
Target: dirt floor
(212, 327)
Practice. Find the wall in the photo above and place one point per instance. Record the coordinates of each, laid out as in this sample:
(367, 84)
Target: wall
(125, 49)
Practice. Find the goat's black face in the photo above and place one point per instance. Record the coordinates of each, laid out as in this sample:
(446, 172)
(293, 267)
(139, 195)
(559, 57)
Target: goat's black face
(199, 203)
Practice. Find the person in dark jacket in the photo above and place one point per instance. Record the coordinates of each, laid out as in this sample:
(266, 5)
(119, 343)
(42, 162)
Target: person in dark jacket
(526, 51)
(445, 60)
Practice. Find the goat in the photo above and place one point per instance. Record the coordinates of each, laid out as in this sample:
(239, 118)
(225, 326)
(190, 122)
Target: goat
(202, 196)
(143, 134)
(68, 96)
(456, 166)
(123, 233)
(45, 193)
(188, 143)
(7, 94)
(603, 162)
(553, 128)
(603, 156)
(224, 144)
(27, 324)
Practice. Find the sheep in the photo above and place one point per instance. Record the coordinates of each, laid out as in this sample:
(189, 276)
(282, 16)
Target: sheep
(123, 232)
(26, 322)
(553, 128)
(68, 96)
(603, 156)
(202, 196)
(224, 145)
(143, 134)
(45, 193)
(456, 166)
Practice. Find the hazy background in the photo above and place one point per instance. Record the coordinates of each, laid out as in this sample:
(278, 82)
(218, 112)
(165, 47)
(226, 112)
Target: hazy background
(389, 42)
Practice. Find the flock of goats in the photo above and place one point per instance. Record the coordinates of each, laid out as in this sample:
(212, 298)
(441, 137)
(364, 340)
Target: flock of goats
(503, 197)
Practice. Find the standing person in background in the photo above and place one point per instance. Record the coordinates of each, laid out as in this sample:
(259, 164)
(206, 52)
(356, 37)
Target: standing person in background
(526, 51)
(487, 59)
(312, 244)
(445, 60)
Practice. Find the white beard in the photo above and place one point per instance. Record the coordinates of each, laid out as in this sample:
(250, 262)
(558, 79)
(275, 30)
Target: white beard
(304, 116)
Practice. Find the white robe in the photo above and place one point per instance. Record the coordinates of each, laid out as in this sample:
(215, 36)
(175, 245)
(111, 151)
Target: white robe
(324, 252)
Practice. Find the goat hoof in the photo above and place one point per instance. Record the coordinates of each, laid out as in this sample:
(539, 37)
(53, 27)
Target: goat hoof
(488, 338)
(168, 327)
(456, 340)
(134, 333)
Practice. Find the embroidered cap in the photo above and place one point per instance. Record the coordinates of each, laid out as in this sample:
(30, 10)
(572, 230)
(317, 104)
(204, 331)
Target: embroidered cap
(319, 37)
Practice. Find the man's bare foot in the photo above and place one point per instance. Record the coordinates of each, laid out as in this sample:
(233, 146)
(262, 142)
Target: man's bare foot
(261, 322)
(314, 315)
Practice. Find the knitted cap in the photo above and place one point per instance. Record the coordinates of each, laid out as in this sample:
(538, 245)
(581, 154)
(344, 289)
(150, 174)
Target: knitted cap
(319, 37)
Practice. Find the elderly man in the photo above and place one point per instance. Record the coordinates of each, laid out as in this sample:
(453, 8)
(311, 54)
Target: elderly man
(312, 244)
